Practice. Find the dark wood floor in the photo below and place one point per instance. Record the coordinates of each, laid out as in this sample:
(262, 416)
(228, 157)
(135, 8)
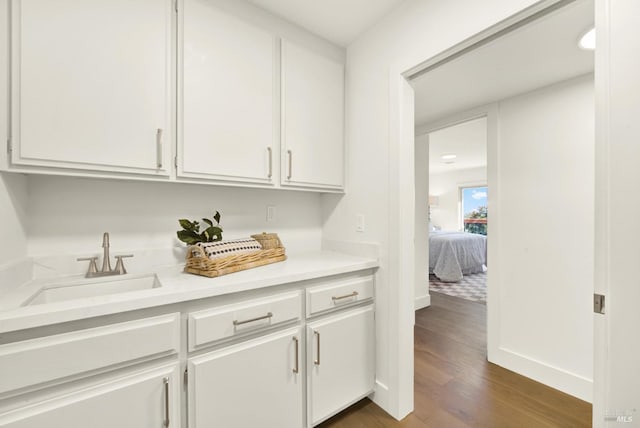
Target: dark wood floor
(455, 386)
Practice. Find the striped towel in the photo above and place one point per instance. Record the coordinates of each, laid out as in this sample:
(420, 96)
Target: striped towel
(232, 247)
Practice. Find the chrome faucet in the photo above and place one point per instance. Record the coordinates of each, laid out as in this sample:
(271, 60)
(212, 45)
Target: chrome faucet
(106, 262)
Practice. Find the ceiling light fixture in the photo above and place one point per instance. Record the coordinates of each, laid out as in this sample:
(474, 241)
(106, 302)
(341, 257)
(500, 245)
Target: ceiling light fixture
(448, 157)
(588, 40)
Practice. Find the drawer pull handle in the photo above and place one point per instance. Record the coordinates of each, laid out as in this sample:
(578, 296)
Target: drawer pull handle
(166, 402)
(346, 296)
(296, 369)
(317, 360)
(159, 148)
(269, 315)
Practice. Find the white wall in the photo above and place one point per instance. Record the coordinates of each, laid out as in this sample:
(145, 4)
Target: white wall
(13, 218)
(414, 32)
(446, 186)
(544, 271)
(422, 297)
(68, 215)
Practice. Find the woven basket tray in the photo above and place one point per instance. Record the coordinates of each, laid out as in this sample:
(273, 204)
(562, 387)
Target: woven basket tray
(198, 263)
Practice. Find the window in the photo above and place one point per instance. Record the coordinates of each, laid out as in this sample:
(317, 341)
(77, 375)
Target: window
(474, 209)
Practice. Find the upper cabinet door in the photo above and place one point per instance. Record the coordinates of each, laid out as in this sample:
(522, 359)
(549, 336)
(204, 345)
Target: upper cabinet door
(91, 85)
(229, 111)
(312, 119)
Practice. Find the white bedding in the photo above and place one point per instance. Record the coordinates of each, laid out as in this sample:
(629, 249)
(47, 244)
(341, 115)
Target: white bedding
(454, 254)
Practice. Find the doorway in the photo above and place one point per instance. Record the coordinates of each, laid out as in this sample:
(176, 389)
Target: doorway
(525, 192)
(457, 208)
(451, 168)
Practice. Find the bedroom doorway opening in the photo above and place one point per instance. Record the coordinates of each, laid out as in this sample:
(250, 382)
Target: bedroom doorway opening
(457, 206)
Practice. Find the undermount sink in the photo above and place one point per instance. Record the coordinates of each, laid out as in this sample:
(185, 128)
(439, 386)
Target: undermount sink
(93, 287)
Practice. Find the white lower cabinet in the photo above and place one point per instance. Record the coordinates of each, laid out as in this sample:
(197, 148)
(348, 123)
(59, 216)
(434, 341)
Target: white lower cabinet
(250, 362)
(257, 383)
(340, 363)
(145, 399)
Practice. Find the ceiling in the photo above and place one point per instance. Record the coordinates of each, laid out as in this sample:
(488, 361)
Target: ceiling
(533, 56)
(468, 141)
(339, 21)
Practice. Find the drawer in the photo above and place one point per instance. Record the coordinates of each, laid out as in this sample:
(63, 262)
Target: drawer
(46, 359)
(338, 294)
(239, 319)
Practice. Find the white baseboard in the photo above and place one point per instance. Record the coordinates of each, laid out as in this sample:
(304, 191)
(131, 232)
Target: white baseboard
(557, 378)
(380, 395)
(422, 301)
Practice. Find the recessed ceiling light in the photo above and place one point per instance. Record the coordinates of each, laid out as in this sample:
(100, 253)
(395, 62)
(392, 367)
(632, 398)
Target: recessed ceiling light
(448, 157)
(588, 40)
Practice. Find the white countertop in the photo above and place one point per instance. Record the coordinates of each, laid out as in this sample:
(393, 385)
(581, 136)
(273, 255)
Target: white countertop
(177, 286)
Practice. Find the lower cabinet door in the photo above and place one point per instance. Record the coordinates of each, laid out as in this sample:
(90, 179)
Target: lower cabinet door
(257, 383)
(341, 361)
(145, 399)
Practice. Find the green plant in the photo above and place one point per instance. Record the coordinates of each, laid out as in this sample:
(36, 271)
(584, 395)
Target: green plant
(191, 234)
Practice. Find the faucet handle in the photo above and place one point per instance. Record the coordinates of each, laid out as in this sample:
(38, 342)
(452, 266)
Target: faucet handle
(120, 264)
(93, 265)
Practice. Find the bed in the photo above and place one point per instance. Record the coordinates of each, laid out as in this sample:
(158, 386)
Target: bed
(454, 254)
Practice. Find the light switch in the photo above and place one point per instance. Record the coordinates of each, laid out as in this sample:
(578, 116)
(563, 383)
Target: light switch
(271, 213)
(359, 223)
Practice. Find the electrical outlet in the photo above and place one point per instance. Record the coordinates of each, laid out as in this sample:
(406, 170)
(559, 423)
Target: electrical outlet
(359, 223)
(271, 213)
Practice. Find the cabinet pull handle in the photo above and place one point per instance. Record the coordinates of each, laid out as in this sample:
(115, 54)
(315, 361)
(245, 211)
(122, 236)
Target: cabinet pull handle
(317, 360)
(236, 322)
(270, 163)
(346, 296)
(159, 147)
(290, 157)
(296, 369)
(166, 402)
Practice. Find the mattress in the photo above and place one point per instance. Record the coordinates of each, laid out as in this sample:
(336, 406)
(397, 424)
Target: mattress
(454, 254)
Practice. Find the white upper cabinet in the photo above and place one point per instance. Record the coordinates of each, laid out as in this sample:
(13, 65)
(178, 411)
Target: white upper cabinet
(91, 85)
(188, 90)
(229, 110)
(312, 119)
